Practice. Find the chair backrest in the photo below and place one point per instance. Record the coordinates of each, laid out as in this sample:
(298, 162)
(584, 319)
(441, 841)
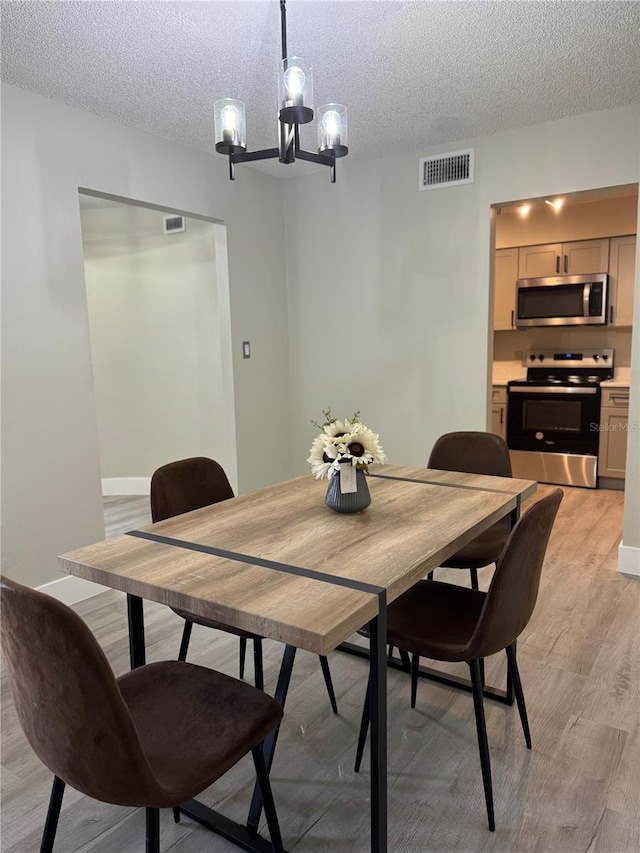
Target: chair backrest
(68, 702)
(187, 485)
(514, 587)
(471, 452)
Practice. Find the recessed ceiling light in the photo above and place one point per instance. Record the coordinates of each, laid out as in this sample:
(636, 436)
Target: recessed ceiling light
(556, 205)
(524, 209)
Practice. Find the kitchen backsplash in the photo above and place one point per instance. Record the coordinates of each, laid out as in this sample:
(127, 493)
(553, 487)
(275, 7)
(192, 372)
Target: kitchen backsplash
(510, 346)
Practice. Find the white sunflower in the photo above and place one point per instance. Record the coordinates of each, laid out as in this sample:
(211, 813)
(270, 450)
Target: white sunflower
(319, 461)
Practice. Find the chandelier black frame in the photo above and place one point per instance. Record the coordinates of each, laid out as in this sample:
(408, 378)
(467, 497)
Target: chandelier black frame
(296, 95)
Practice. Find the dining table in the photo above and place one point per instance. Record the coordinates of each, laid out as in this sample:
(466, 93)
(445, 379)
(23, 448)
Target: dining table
(279, 563)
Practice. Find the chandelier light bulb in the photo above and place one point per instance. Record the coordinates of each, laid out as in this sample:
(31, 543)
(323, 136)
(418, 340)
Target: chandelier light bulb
(331, 122)
(332, 130)
(229, 118)
(294, 80)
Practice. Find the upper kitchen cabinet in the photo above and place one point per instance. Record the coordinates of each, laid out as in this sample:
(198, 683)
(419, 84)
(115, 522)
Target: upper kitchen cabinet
(575, 258)
(622, 266)
(505, 274)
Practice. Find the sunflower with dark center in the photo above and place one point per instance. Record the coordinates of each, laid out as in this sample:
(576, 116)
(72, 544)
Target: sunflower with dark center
(346, 441)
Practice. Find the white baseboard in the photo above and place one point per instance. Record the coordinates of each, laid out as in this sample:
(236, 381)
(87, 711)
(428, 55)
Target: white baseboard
(629, 560)
(71, 590)
(126, 486)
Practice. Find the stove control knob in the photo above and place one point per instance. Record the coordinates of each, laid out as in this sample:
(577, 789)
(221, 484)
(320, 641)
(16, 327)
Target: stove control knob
(541, 357)
(605, 356)
(532, 357)
(596, 357)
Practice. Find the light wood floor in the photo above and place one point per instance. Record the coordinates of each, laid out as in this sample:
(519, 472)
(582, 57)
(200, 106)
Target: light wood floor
(577, 791)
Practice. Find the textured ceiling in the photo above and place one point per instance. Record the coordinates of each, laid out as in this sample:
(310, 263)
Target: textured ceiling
(411, 73)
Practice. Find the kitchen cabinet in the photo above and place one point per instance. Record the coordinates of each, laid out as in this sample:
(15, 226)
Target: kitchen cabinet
(575, 258)
(505, 274)
(614, 423)
(622, 268)
(499, 411)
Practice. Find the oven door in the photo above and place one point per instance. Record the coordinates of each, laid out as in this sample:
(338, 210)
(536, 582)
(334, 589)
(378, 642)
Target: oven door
(553, 419)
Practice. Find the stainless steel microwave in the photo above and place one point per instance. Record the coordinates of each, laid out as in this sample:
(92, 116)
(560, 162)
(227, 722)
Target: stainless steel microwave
(564, 300)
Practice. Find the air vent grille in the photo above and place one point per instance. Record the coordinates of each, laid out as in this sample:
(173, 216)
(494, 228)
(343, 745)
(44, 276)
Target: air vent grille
(173, 224)
(446, 170)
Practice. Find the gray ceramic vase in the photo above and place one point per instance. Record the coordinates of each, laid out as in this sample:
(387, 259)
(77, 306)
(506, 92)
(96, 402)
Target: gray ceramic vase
(352, 501)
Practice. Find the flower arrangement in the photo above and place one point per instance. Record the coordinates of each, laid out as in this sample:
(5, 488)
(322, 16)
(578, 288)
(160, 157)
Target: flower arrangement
(343, 441)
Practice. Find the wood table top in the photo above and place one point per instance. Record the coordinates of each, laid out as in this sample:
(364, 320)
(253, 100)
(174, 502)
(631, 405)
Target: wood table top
(417, 518)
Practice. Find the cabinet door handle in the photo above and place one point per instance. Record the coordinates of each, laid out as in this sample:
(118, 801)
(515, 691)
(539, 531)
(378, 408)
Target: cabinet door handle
(566, 263)
(624, 398)
(513, 317)
(557, 264)
(611, 313)
(501, 415)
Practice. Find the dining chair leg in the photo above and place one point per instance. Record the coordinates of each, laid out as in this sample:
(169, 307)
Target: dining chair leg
(243, 655)
(53, 813)
(430, 576)
(257, 663)
(390, 651)
(152, 835)
(324, 663)
(483, 744)
(406, 660)
(481, 665)
(415, 666)
(474, 578)
(176, 814)
(517, 688)
(509, 690)
(267, 798)
(364, 728)
(186, 636)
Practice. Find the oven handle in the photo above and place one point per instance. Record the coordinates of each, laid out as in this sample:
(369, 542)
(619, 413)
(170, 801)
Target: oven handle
(553, 389)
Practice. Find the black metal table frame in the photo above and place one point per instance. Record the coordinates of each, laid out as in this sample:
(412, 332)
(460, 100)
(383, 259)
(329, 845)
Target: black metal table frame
(247, 837)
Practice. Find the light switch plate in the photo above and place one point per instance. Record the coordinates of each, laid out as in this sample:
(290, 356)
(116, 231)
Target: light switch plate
(246, 349)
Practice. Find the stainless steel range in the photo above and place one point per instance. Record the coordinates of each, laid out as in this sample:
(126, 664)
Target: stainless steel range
(553, 416)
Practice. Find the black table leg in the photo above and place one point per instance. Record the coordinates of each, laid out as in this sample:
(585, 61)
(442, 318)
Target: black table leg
(378, 680)
(270, 741)
(135, 615)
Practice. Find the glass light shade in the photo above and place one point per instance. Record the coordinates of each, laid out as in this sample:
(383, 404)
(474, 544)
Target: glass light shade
(333, 130)
(230, 126)
(295, 91)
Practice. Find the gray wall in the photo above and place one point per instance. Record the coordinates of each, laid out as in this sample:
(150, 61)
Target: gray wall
(389, 287)
(51, 499)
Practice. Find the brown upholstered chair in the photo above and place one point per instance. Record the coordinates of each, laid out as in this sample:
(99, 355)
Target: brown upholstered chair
(191, 484)
(446, 622)
(154, 738)
(475, 453)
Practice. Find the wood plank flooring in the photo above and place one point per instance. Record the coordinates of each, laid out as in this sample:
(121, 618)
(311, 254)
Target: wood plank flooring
(576, 791)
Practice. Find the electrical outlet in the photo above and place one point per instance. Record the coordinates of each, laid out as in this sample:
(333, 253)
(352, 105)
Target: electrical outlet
(246, 349)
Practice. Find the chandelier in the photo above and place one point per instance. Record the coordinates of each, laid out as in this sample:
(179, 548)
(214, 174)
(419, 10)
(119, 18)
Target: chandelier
(295, 91)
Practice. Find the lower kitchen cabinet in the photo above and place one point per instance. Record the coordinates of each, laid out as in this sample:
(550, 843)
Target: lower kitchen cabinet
(614, 423)
(499, 411)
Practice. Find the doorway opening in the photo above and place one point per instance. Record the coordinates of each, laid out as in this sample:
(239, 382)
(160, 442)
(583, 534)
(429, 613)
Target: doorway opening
(548, 241)
(159, 320)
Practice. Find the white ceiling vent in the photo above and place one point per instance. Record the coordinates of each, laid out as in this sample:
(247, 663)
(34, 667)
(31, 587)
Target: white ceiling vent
(173, 224)
(446, 170)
